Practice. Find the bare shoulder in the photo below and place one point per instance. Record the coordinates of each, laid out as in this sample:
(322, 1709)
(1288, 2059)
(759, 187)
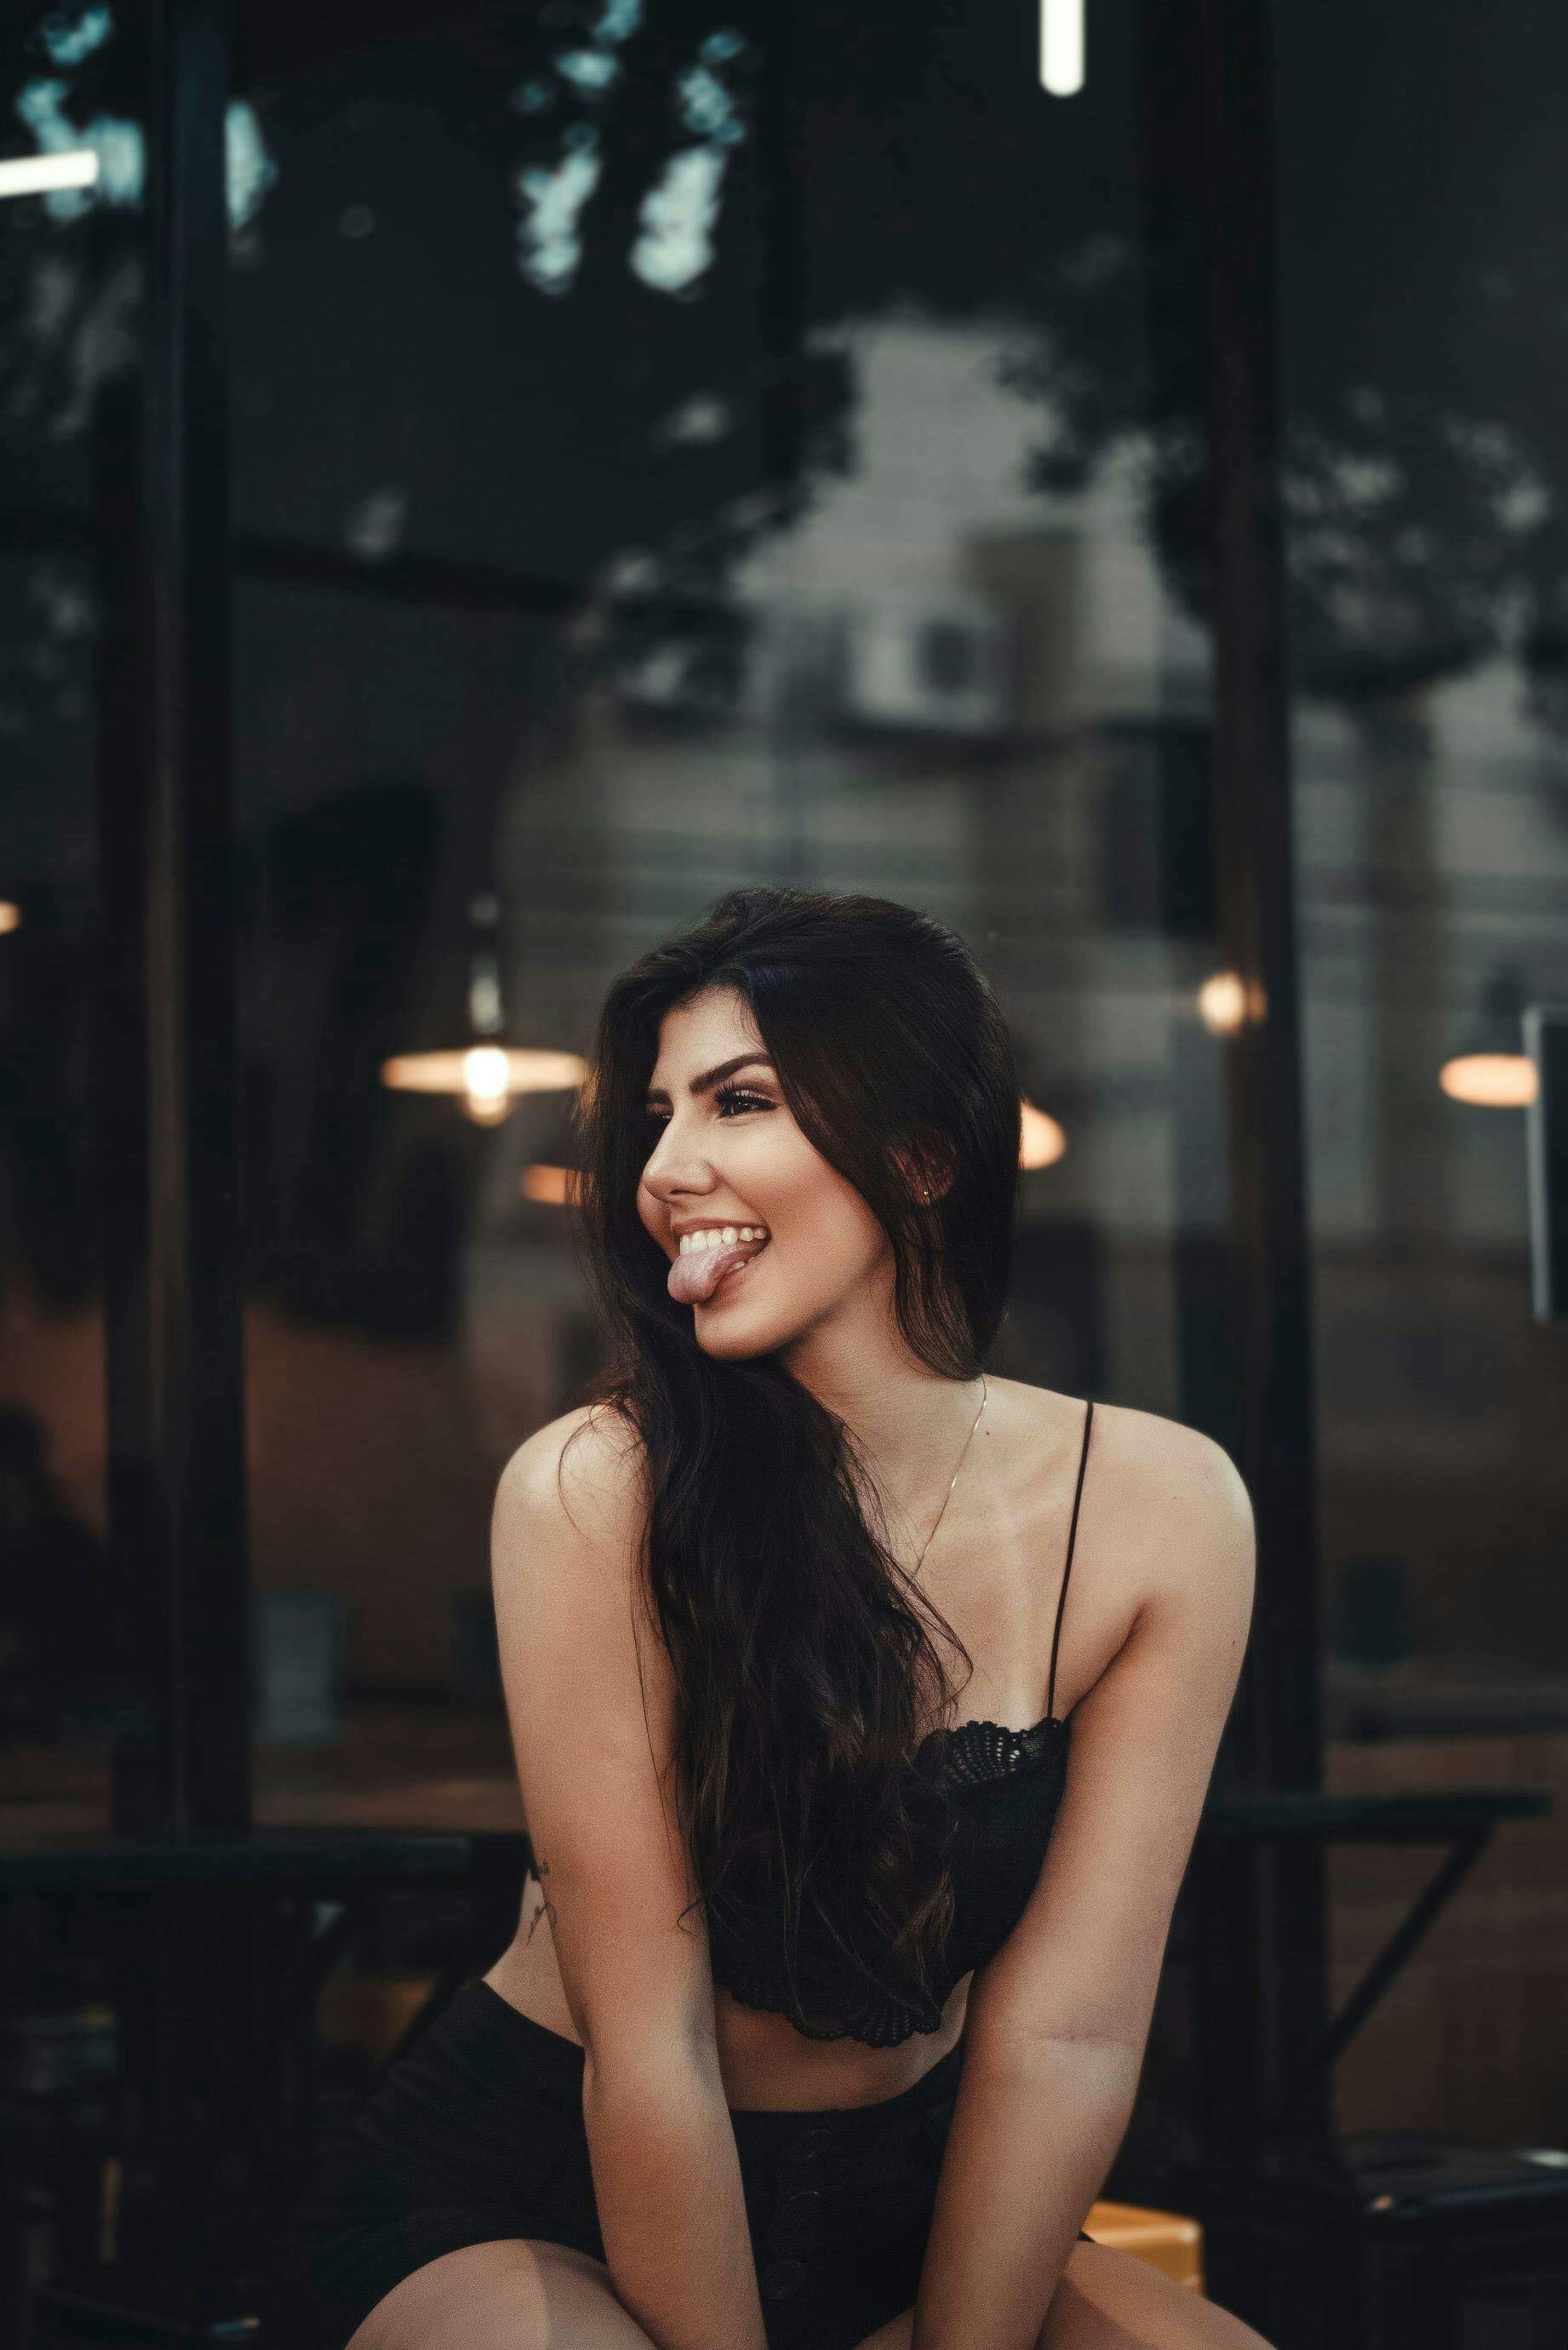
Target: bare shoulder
(1175, 1517)
(1161, 1458)
(1165, 1515)
(1141, 1452)
(584, 1468)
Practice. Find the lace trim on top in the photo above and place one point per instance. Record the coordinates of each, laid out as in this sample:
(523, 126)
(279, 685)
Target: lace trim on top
(972, 1754)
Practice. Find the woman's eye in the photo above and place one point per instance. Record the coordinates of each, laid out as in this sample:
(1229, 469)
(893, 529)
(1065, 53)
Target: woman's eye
(729, 1098)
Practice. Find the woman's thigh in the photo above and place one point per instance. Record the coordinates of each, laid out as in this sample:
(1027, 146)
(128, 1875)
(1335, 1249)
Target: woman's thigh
(526, 2294)
(518, 2295)
(1108, 2301)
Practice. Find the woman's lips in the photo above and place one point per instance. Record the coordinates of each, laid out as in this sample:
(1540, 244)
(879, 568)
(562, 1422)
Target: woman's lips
(693, 1278)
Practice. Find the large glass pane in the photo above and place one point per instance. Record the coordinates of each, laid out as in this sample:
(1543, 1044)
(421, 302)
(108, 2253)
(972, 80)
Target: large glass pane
(1424, 183)
(71, 252)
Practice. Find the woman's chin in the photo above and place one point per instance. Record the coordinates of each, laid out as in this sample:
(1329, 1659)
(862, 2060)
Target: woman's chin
(733, 1341)
(736, 1336)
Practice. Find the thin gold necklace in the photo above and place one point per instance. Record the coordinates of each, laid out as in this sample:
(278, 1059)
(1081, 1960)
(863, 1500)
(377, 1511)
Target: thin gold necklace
(969, 1440)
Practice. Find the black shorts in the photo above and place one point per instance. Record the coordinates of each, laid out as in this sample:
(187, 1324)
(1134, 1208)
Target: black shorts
(477, 2134)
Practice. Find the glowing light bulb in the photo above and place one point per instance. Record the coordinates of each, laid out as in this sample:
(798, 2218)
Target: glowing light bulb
(1222, 1003)
(34, 175)
(486, 1084)
(1489, 1080)
(486, 1078)
(1061, 47)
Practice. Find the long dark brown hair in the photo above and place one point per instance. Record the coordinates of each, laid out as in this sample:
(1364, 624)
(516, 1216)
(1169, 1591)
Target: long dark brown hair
(800, 1648)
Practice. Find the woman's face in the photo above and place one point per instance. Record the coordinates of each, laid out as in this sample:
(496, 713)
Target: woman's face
(729, 1153)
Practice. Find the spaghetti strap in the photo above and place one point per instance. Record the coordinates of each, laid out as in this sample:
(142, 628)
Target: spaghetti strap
(1066, 1571)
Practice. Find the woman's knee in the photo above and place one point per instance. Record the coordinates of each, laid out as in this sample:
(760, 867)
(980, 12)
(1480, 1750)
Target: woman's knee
(519, 2294)
(1108, 2301)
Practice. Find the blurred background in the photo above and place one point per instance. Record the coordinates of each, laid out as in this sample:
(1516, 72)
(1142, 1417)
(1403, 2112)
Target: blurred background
(644, 446)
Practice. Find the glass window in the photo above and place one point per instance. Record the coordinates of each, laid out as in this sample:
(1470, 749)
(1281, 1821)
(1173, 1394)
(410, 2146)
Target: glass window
(1422, 190)
(666, 459)
(71, 255)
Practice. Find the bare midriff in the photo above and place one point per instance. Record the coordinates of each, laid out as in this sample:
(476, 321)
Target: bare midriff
(763, 2060)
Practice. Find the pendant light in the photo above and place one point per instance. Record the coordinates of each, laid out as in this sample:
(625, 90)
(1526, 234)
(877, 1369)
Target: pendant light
(486, 1077)
(1494, 1071)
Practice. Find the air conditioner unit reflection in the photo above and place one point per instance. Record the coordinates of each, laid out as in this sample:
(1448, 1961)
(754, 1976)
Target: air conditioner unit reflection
(945, 668)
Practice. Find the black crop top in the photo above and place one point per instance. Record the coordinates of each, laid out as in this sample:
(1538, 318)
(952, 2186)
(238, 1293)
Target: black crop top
(1006, 1785)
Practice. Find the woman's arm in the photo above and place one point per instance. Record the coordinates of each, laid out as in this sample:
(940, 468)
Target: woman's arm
(1058, 2019)
(590, 1695)
(666, 2185)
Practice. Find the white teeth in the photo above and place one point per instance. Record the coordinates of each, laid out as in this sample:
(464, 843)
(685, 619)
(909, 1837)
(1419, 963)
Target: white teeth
(721, 1236)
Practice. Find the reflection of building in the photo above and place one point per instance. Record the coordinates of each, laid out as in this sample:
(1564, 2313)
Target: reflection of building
(941, 686)
(919, 680)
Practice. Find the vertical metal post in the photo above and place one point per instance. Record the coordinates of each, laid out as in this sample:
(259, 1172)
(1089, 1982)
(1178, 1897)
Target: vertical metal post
(1276, 1737)
(170, 1129)
(785, 368)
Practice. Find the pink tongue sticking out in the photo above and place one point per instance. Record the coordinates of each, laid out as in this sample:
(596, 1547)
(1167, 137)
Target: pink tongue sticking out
(694, 1278)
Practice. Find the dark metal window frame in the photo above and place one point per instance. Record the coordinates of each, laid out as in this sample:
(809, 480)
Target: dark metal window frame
(167, 1046)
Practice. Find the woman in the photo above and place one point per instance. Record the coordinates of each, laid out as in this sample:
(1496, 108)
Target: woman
(825, 2014)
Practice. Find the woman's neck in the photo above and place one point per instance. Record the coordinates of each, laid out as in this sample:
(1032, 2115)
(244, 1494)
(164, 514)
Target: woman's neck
(907, 1426)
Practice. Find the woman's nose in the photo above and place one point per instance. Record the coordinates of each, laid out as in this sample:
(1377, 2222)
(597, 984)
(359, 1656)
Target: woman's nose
(670, 1157)
(675, 1165)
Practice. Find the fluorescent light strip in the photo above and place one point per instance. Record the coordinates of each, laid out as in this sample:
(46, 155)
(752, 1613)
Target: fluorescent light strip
(1061, 47)
(34, 175)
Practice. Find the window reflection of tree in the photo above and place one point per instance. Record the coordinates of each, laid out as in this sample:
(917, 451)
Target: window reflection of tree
(1424, 501)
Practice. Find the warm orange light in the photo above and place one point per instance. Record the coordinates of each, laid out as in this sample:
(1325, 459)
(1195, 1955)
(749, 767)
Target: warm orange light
(1043, 1141)
(487, 1095)
(1226, 1002)
(487, 1078)
(558, 1187)
(1222, 1003)
(1489, 1080)
(480, 1066)
(10, 915)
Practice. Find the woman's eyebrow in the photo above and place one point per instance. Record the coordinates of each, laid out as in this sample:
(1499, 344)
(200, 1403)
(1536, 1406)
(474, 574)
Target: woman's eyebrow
(711, 1077)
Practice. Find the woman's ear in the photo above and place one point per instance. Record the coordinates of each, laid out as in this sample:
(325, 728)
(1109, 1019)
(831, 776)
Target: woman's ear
(927, 1168)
